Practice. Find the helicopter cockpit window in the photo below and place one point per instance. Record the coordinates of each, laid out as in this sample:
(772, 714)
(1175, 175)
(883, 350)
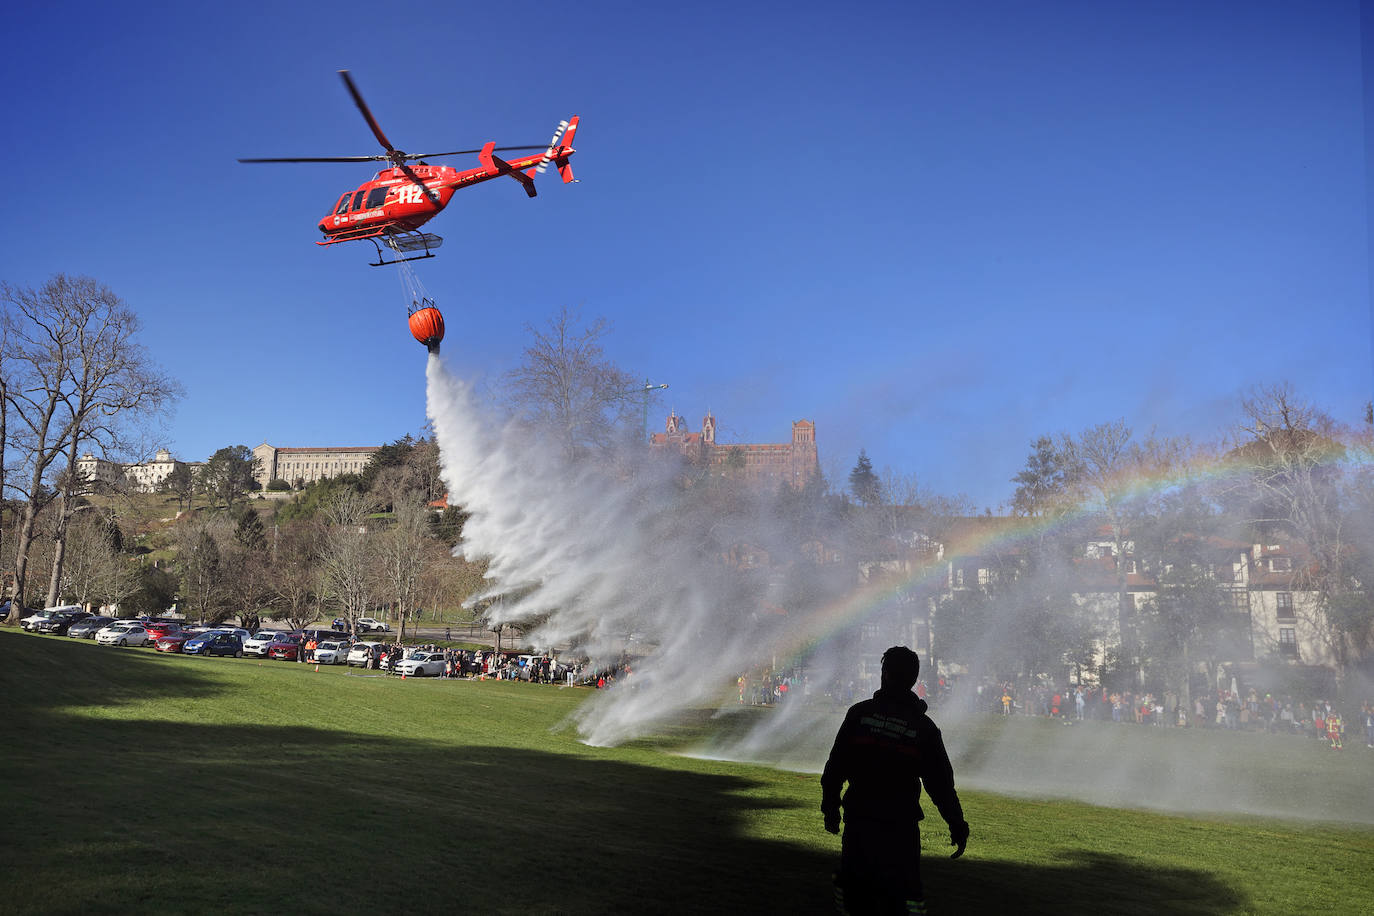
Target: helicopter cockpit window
(357, 201)
(343, 204)
(376, 197)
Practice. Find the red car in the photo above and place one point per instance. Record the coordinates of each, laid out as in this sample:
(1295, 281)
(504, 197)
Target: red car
(172, 642)
(287, 647)
(160, 628)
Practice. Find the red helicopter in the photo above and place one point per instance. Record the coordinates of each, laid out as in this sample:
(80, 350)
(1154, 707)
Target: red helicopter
(392, 207)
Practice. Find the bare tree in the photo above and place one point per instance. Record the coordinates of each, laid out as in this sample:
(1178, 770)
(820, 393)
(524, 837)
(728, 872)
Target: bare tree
(402, 556)
(1105, 466)
(92, 555)
(346, 555)
(566, 385)
(204, 574)
(295, 551)
(1301, 484)
(81, 377)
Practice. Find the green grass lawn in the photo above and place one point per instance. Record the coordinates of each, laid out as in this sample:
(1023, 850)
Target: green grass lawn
(140, 782)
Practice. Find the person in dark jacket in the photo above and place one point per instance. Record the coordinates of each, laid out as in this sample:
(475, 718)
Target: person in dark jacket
(886, 748)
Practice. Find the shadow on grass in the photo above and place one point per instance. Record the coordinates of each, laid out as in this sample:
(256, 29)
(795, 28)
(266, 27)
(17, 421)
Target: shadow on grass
(117, 815)
(57, 671)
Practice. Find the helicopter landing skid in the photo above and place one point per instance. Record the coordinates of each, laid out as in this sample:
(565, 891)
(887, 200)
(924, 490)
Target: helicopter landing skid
(407, 242)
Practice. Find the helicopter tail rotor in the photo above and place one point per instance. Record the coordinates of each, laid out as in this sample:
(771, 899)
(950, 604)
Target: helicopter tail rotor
(564, 168)
(553, 145)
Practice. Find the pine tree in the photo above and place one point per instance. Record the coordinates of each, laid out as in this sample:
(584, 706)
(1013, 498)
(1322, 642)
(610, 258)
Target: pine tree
(863, 483)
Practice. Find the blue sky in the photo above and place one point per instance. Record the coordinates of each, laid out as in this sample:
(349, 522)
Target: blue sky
(937, 230)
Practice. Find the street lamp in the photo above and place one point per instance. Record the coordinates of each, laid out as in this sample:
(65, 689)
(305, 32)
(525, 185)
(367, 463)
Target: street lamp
(647, 390)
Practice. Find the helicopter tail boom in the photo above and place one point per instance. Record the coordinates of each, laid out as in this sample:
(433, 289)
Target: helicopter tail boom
(498, 166)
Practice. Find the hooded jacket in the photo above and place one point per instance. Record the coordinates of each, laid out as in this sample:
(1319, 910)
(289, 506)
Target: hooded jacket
(886, 748)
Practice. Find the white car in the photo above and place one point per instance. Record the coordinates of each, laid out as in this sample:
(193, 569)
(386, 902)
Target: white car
(369, 625)
(422, 664)
(257, 643)
(331, 653)
(123, 633)
(360, 654)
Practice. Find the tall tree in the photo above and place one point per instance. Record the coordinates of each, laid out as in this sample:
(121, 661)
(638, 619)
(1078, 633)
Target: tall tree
(79, 379)
(229, 474)
(1107, 467)
(247, 554)
(295, 571)
(1191, 619)
(1042, 487)
(402, 554)
(346, 555)
(181, 483)
(203, 572)
(1302, 486)
(864, 484)
(567, 387)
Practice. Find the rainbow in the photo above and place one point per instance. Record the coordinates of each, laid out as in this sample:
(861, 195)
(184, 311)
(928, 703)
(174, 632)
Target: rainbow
(1000, 534)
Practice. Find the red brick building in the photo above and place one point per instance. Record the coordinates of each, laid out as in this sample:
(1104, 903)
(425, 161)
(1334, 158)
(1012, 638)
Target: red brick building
(793, 462)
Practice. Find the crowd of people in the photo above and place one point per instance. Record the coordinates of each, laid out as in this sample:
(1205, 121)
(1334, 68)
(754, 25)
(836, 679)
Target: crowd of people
(1223, 709)
(1226, 709)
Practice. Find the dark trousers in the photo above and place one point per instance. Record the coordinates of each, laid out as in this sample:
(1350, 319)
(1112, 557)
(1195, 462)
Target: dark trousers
(880, 866)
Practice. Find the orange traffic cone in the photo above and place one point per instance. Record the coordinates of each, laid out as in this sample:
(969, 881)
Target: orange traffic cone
(317, 669)
(403, 675)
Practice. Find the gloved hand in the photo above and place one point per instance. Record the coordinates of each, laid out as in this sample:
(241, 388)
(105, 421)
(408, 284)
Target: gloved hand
(832, 821)
(958, 836)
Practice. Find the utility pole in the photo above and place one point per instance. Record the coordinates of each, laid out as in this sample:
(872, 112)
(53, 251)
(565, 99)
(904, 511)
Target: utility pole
(647, 390)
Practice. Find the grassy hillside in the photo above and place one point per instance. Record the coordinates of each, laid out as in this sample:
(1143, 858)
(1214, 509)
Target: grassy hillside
(175, 784)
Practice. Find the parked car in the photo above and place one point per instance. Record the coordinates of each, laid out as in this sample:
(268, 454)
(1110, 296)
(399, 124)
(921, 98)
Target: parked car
(32, 621)
(372, 625)
(58, 624)
(173, 642)
(215, 643)
(240, 632)
(160, 628)
(123, 633)
(331, 653)
(340, 625)
(87, 628)
(360, 654)
(422, 664)
(257, 643)
(286, 647)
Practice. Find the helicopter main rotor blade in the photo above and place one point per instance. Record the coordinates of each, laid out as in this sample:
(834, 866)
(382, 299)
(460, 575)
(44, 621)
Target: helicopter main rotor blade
(325, 159)
(367, 113)
(464, 152)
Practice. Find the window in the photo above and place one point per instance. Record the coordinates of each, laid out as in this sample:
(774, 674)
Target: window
(1280, 564)
(1240, 601)
(1285, 604)
(1288, 641)
(376, 197)
(357, 201)
(343, 204)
